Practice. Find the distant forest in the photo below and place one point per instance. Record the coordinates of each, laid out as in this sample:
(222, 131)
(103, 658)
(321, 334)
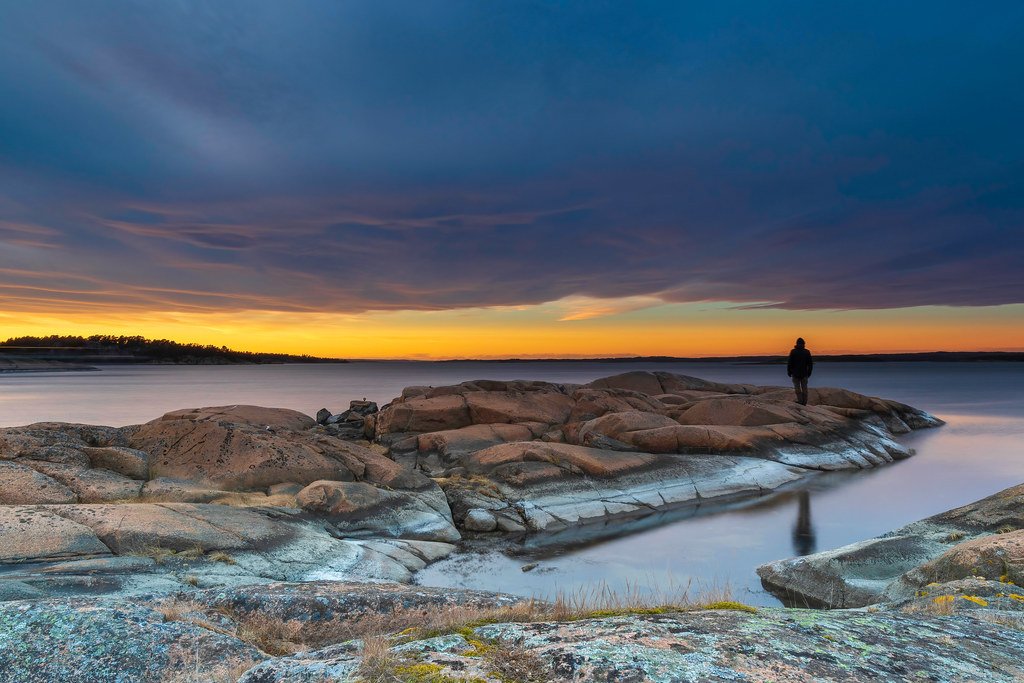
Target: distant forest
(100, 348)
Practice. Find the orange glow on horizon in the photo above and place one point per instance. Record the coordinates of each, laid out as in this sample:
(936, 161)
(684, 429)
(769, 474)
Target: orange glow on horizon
(564, 329)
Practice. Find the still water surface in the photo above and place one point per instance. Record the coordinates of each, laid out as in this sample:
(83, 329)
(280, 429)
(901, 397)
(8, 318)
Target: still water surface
(979, 451)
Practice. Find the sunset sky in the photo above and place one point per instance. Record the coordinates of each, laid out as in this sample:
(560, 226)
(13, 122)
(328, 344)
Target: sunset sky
(457, 178)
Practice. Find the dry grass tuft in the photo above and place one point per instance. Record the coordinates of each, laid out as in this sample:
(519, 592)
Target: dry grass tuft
(515, 662)
(938, 606)
(220, 556)
(154, 552)
(178, 609)
(221, 673)
(471, 482)
(379, 663)
(271, 634)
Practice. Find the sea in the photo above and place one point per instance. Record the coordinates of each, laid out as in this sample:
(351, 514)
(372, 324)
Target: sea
(712, 548)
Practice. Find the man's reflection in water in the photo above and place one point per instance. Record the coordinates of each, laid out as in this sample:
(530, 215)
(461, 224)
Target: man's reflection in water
(803, 532)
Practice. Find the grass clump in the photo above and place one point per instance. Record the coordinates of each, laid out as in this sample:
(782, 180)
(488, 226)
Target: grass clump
(221, 556)
(471, 482)
(954, 537)
(731, 604)
(378, 662)
(154, 552)
(515, 663)
(1006, 529)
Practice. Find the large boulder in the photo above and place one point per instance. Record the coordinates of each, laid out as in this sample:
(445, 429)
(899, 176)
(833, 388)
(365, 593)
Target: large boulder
(247, 447)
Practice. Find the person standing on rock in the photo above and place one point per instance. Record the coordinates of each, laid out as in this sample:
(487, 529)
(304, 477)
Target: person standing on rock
(799, 368)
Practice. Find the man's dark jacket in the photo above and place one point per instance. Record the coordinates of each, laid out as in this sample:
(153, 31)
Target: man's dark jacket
(800, 363)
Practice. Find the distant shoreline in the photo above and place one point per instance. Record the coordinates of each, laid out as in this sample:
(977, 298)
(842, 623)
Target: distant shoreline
(12, 366)
(922, 357)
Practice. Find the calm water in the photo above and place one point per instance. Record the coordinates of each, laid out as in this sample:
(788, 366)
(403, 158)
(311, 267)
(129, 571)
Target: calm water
(980, 451)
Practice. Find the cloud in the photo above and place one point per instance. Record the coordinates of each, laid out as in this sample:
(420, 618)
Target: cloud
(433, 155)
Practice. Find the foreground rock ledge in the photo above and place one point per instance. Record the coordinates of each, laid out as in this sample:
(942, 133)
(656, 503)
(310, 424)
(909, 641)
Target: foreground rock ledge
(965, 558)
(225, 636)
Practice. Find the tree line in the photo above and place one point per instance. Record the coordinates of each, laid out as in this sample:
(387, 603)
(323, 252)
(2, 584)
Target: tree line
(122, 347)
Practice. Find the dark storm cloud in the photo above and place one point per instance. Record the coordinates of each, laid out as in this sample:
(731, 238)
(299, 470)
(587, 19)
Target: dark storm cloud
(425, 155)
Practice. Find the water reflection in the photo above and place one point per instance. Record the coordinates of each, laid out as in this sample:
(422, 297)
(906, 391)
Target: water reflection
(804, 542)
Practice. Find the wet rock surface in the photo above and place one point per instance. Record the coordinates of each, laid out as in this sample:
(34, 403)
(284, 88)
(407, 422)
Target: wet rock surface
(982, 539)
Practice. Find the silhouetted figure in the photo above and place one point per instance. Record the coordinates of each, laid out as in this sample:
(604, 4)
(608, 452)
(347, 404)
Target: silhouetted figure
(803, 533)
(799, 368)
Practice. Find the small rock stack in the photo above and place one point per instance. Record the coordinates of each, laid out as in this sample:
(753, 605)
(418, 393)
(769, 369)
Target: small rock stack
(352, 423)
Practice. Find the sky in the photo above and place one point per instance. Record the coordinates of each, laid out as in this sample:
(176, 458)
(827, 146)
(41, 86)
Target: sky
(437, 179)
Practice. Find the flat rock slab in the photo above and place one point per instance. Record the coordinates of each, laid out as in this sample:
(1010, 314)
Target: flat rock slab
(55, 641)
(22, 485)
(176, 526)
(35, 534)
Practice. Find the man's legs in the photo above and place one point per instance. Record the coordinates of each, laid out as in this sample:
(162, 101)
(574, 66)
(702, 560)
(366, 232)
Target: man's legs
(800, 387)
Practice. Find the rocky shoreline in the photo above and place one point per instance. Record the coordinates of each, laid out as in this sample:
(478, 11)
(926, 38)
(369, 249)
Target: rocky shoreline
(177, 534)
(981, 544)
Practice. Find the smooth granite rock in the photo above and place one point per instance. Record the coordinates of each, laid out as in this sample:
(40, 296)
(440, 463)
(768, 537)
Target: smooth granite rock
(353, 507)
(36, 534)
(544, 456)
(23, 485)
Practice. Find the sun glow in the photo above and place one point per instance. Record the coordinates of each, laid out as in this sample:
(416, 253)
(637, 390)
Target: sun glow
(569, 328)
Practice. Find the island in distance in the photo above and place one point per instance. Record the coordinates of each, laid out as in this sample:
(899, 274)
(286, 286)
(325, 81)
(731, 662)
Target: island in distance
(204, 538)
(70, 353)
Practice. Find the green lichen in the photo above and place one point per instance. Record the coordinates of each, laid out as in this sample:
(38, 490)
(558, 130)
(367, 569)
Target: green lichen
(428, 673)
(731, 604)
